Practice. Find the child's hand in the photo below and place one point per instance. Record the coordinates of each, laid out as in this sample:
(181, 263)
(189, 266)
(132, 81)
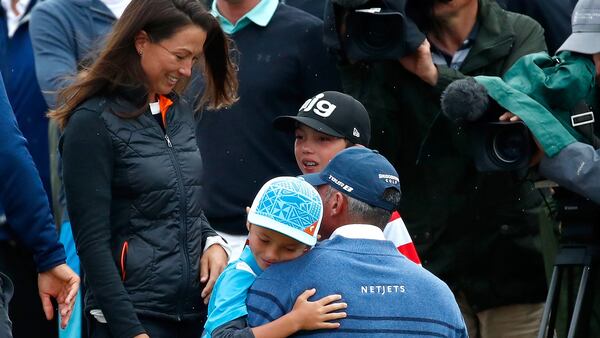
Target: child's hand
(316, 315)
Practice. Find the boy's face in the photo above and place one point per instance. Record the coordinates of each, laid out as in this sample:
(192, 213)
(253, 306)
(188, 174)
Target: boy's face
(271, 247)
(314, 149)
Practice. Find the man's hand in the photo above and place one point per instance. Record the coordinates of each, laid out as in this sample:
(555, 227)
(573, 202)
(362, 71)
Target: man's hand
(539, 153)
(62, 284)
(421, 64)
(212, 263)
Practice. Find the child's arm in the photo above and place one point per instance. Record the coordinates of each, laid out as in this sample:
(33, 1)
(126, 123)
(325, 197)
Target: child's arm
(305, 315)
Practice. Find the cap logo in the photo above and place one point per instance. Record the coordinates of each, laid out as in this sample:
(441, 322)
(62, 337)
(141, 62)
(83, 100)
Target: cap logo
(311, 229)
(356, 133)
(340, 184)
(391, 179)
(322, 108)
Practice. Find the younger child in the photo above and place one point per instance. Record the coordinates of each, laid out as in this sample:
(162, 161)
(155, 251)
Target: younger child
(325, 125)
(283, 224)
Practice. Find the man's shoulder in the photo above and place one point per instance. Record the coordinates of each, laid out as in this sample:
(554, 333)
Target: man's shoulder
(506, 19)
(294, 17)
(57, 6)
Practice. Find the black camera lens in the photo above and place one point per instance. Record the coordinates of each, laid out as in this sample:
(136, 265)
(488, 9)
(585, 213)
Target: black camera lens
(509, 145)
(375, 36)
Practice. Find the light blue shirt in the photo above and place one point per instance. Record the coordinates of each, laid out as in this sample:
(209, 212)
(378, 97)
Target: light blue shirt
(261, 14)
(228, 300)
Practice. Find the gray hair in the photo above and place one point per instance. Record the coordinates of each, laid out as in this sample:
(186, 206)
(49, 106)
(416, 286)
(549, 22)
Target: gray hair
(362, 212)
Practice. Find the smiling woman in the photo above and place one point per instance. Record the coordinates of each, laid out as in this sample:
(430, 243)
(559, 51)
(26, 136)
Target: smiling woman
(164, 66)
(132, 171)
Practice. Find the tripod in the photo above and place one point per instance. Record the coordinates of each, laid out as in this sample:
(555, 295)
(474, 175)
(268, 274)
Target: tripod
(580, 243)
(569, 256)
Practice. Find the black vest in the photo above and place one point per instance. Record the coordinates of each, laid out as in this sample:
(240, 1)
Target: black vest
(157, 224)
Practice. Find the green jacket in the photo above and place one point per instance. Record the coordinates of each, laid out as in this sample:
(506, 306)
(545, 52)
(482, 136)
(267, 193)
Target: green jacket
(477, 231)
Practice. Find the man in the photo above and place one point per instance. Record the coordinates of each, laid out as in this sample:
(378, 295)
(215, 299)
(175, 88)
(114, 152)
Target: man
(282, 61)
(476, 231)
(65, 35)
(29, 222)
(386, 293)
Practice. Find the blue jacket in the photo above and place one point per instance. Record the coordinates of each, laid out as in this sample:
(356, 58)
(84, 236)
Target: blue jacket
(22, 195)
(81, 26)
(18, 68)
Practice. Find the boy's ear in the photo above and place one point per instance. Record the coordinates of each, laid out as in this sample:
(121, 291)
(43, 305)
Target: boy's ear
(248, 226)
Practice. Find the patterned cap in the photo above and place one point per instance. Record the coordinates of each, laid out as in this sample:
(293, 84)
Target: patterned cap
(290, 206)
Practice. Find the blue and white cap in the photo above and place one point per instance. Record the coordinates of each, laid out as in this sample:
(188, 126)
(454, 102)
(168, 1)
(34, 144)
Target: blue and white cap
(290, 206)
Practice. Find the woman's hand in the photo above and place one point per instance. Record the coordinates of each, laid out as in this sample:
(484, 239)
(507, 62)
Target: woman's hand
(212, 263)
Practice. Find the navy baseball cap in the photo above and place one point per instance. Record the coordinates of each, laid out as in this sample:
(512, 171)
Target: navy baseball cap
(332, 113)
(360, 173)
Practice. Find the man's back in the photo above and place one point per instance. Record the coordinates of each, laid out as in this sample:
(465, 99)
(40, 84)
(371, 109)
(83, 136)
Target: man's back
(386, 293)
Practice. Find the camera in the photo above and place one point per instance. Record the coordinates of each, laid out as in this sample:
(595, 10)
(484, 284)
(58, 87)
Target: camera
(370, 30)
(495, 145)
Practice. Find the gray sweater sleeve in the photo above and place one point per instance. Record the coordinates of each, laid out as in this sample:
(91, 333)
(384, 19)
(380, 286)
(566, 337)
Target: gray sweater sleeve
(237, 328)
(577, 168)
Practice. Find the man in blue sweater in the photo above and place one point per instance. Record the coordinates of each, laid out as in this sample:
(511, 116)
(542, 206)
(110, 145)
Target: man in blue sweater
(386, 293)
(29, 222)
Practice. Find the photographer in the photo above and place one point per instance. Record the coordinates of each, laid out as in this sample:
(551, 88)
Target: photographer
(577, 167)
(477, 231)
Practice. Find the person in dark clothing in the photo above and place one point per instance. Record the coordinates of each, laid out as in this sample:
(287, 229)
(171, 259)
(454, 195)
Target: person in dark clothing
(314, 7)
(29, 221)
(132, 167)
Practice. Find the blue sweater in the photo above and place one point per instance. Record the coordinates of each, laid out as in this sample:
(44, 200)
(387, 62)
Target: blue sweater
(18, 69)
(22, 195)
(280, 66)
(387, 294)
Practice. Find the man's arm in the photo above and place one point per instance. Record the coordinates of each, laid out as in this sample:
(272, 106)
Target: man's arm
(54, 52)
(28, 215)
(577, 168)
(22, 194)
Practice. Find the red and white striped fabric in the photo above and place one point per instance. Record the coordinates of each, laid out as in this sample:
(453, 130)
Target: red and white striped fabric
(396, 232)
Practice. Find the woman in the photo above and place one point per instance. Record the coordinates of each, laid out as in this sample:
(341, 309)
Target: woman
(132, 171)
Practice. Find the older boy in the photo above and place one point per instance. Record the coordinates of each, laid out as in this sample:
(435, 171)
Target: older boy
(327, 124)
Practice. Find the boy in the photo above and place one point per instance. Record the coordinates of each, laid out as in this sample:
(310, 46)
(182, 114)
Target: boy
(327, 124)
(283, 223)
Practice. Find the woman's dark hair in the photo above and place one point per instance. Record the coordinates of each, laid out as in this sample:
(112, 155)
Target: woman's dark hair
(118, 65)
